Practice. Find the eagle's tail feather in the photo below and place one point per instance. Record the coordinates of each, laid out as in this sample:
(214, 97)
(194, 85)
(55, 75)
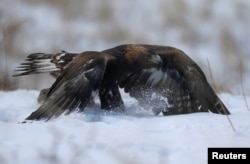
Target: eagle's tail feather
(42, 63)
(37, 63)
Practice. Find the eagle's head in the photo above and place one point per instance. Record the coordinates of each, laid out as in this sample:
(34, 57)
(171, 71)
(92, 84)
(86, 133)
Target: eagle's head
(136, 54)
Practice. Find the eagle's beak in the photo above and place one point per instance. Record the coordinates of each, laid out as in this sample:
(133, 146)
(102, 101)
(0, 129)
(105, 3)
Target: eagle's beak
(156, 59)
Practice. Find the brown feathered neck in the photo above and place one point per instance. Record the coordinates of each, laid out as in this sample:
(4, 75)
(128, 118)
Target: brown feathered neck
(133, 52)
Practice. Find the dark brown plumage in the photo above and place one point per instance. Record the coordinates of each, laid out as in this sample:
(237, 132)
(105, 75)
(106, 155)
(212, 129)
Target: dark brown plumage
(179, 87)
(90, 71)
(161, 77)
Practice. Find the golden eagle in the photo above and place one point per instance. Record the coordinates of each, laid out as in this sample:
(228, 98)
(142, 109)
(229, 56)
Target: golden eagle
(162, 77)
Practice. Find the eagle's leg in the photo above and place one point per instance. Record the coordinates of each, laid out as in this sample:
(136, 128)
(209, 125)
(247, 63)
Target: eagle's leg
(111, 99)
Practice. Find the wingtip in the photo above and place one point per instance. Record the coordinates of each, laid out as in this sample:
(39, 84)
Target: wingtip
(222, 108)
(217, 106)
(37, 116)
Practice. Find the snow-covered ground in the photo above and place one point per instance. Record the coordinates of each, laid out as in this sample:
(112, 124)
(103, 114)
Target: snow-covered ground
(102, 137)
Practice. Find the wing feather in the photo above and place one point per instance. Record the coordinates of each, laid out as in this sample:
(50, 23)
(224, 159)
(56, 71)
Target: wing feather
(73, 88)
(178, 87)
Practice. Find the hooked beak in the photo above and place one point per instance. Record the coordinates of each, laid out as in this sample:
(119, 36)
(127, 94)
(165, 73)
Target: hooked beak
(156, 59)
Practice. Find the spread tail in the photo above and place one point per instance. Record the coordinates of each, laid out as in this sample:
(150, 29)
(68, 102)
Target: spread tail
(44, 63)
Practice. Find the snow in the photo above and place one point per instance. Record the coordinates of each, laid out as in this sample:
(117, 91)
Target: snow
(214, 31)
(97, 136)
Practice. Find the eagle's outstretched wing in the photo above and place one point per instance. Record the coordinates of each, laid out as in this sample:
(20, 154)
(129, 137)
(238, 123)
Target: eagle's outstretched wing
(72, 89)
(178, 87)
(37, 63)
